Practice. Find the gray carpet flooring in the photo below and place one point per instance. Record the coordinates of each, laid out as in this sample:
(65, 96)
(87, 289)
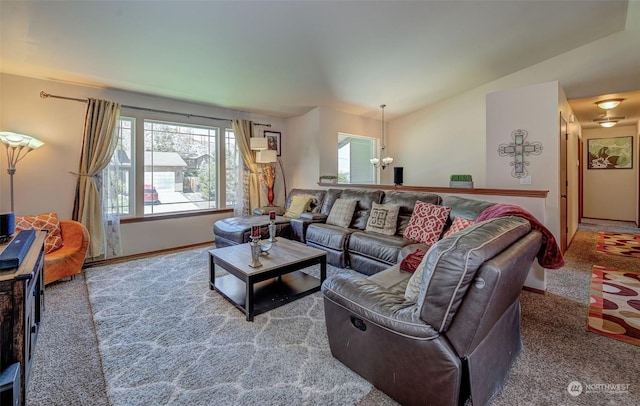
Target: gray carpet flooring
(92, 335)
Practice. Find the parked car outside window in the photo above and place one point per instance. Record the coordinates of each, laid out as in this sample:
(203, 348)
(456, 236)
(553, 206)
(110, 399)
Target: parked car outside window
(150, 195)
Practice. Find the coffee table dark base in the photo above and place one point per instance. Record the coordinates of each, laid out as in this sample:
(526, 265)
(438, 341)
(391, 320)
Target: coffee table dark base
(260, 292)
(267, 295)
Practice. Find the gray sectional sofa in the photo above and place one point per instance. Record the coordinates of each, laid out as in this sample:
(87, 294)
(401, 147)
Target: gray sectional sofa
(353, 247)
(455, 342)
(446, 334)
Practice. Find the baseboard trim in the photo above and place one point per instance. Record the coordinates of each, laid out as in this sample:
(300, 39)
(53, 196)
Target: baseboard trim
(534, 290)
(125, 258)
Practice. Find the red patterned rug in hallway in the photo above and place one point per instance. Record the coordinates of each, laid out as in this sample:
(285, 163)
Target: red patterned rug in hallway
(619, 244)
(614, 304)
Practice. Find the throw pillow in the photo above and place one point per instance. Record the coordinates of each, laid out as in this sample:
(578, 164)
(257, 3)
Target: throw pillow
(46, 221)
(341, 212)
(383, 218)
(298, 206)
(412, 291)
(426, 222)
(410, 262)
(458, 224)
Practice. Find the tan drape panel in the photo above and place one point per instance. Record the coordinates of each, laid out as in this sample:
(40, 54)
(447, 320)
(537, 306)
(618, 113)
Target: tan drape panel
(98, 144)
(243, 130)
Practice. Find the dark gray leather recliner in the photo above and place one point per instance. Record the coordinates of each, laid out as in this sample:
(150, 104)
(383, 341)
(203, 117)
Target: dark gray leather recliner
(459, 339)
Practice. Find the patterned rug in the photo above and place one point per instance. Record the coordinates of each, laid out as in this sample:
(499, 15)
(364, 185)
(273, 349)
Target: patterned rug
(165, 338)
(614, 304)
(619, 244)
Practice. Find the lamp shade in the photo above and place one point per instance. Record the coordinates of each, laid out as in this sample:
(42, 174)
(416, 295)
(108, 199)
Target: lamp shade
(258, 143)
(15, 140)
(266, 156)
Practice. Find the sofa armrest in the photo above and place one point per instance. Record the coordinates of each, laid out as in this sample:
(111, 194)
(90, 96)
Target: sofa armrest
(372, 302)
(315, 217)
(261, 211)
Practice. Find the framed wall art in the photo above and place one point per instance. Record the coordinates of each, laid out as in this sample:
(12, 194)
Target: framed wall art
(610, 153)
(273, 141)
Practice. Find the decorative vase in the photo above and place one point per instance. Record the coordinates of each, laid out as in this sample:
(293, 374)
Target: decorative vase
(270, 196)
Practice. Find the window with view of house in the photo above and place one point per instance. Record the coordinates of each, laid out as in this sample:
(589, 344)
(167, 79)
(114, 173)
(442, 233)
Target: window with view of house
(117, 177)
(181, 163)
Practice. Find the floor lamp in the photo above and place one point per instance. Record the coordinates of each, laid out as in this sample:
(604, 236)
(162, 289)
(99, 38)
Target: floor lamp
(18, 146)
(264, 155)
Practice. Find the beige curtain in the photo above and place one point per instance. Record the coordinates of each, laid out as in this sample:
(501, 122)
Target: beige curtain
(243, 130)
(98, 144)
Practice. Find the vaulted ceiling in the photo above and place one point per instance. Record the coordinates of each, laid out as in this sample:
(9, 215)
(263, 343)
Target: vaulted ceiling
(283, 58)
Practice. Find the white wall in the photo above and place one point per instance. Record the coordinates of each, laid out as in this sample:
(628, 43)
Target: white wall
(301, 147)
(610, 193)
(313, 139)
(43, 181)
(534, 109)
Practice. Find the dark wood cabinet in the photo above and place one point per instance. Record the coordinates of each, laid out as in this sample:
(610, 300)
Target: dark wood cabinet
(21, 307)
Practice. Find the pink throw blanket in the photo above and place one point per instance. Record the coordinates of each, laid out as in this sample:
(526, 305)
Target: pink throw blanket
(549, 256)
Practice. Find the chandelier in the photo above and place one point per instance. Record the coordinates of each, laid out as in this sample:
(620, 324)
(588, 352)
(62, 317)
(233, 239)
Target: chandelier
(386, 161)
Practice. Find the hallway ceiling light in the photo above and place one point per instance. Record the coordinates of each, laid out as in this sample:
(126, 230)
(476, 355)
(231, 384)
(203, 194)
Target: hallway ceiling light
(609, 103)
(608, 122)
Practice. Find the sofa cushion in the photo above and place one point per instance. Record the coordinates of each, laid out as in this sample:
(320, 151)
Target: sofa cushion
(365, 198)
(383, 218)
(314, 206)
(466, 208)
(458, 224)
(427, 222)
(451, 264)
(45, 221)
(407, 201)
(329, 236)
(299, 204)
(330, 197)
(342, 212)
(381, 247)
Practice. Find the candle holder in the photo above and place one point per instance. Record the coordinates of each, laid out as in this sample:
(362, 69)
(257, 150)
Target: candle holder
(255, 252)
(272, 226)
(272, 231)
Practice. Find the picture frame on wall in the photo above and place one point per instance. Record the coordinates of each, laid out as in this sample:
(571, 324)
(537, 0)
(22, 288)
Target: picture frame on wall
(273, 141)
(610, 153)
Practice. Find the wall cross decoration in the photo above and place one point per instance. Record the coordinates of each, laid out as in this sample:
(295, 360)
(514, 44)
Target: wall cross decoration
(518, 149)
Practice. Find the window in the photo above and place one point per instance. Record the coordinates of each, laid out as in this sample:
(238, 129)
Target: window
(117, 177)
(354, 152)
(181, 165)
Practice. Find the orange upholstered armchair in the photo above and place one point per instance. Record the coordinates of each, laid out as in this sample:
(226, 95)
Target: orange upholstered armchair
(67, 260)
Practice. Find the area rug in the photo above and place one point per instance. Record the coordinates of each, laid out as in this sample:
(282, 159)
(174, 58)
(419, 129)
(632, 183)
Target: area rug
(614, 304)
(619, 244)
(165, 338)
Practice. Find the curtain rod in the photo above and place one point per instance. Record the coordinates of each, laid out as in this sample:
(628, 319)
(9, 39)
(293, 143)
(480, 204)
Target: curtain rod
(44, 95)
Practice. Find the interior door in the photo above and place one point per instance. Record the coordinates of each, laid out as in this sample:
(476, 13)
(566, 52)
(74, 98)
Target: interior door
(564, 183)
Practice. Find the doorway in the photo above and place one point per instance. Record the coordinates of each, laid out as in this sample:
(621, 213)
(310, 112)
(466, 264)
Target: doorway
(564, 183)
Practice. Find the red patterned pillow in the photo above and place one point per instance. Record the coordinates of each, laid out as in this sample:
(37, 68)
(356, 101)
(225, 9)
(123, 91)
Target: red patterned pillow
(426, 222)
(46, 221)
(410, 262)
(459, 224)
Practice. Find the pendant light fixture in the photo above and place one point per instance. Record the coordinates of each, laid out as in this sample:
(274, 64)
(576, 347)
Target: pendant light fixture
(609, 104)
(386, 161)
